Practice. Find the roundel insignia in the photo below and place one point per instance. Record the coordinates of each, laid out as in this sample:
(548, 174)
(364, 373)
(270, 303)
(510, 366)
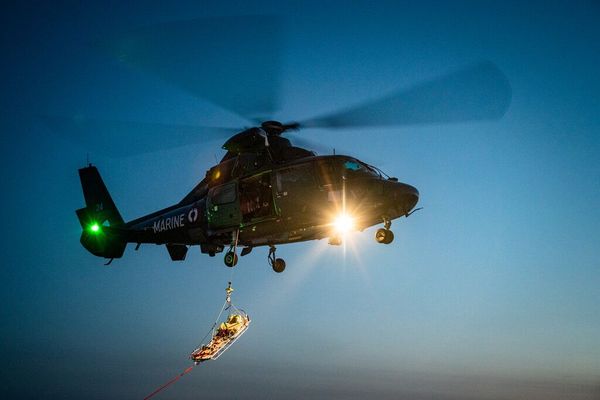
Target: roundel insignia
(193, 215)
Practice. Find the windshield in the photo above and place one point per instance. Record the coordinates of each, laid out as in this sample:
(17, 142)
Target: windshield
(332, 171)
(354, 168)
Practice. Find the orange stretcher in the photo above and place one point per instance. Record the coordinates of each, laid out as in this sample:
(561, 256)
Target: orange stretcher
(225, 334)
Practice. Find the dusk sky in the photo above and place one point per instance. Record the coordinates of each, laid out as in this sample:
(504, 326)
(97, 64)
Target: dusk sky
(492, 291)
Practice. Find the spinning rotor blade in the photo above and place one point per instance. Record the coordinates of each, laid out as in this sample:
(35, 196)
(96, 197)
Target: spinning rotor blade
(477, 93)
(308, 144)
(125, 138)
(232, 61)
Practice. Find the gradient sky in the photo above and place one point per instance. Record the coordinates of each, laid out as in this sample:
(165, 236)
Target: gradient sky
(491, 292)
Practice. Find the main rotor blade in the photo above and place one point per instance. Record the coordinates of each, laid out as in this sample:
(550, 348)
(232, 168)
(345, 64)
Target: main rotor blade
(308, 144)
(231, 61)
(126, 138)
(479, 92)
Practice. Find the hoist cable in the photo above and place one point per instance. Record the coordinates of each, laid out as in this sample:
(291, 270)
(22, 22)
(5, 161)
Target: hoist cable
(226, 306)
(212, 328)
(175, 379)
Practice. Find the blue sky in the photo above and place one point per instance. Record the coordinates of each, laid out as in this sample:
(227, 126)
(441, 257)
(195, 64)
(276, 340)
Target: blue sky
(491, 291)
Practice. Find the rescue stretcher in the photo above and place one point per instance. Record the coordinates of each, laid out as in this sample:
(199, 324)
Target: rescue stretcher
(225, 334)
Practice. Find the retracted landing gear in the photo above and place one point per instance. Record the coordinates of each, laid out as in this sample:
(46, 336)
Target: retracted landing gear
(278, 264)
(385, 235)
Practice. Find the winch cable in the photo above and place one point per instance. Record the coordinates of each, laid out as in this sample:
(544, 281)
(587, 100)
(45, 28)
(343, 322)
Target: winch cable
(226, 305)
(173, 380)
(212, 328)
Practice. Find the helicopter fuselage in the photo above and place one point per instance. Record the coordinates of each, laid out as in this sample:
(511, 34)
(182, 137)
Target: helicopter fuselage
(296, 202)
(253, 199)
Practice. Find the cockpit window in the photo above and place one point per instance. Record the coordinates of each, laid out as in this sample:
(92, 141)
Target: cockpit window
(333, 171)
(296, 178)
(353, 168)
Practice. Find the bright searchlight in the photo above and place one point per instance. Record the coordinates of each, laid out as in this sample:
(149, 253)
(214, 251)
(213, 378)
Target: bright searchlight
(343, 224)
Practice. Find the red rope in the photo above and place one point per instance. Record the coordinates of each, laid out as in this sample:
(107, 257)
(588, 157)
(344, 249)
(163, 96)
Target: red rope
(175, 379)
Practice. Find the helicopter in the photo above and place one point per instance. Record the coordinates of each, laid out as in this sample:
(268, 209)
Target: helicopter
(264, 192)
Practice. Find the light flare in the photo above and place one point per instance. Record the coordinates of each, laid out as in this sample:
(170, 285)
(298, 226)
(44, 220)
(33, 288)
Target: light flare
(343, 224)
(95, 228)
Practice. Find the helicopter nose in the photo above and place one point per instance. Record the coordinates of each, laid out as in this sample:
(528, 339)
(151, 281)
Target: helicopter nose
(406, 196)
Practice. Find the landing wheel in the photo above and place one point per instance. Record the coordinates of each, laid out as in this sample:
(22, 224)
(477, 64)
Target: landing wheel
(384, 236)
(279, 265)
(230, 259)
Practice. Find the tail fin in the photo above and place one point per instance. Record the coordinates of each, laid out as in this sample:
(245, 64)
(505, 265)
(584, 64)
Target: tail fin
(97, 198)
(100, 217)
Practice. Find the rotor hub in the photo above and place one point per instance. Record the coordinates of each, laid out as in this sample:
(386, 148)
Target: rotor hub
(276, 128)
